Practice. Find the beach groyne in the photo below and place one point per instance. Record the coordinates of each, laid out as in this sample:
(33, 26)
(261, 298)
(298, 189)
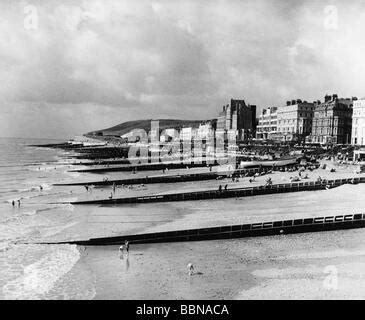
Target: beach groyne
(229, 193)
(89, 152)
(147, 167)
(198, 163)
(270, 228)
(171, 178)
(151, 179)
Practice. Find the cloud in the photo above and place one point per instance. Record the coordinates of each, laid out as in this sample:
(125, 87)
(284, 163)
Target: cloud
(92, 64)
(113, 56)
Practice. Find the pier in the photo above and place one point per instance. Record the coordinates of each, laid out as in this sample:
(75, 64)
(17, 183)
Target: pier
(329, 223)
(229, 193)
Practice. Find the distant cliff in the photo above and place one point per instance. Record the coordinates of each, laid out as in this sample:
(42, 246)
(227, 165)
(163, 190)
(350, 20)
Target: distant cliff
(126, 127)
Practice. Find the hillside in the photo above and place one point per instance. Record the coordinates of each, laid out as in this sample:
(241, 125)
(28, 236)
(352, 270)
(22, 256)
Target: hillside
(128, 126)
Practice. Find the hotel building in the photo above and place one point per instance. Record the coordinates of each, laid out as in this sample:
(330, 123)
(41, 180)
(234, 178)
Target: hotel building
(332, 121)
(268, 121)
(239, 118)
(358, 123)
(294, 120)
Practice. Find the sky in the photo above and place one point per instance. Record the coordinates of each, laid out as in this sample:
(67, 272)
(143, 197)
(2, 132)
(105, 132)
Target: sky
(69, 67)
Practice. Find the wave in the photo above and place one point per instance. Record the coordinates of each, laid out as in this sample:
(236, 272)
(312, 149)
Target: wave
(34, 164)
(39, 278)
(27, 213)
(21, 215)
(24, 190)
(45, 187)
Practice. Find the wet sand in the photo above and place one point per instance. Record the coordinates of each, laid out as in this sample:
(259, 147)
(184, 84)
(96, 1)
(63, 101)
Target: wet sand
(279, 267)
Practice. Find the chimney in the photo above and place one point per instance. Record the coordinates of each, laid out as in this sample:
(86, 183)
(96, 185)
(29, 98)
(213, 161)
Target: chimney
(334, 97)
(327, 98)
(299, 101)
(293, 102)
(288, 103)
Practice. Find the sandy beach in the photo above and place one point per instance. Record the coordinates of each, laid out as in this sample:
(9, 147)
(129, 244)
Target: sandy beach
(279, 267)
(112, 220)
(250, 268)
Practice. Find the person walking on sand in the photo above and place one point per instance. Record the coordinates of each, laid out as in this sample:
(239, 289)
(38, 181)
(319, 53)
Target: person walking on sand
(87, 188)
(40, 188)
(225, 187)
(114, 187)
(190, 268)
(111, 195)
(19, 203)
(13, 203)
(121, 249)
(126, 243)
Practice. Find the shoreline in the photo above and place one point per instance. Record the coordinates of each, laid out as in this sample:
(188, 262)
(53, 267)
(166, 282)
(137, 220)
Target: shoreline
(279, 267)
(229, 268)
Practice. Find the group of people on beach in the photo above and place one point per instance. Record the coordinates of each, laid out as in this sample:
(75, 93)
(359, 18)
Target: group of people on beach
(13, 203)
(114, 187)
(18, 201)
(125, 247)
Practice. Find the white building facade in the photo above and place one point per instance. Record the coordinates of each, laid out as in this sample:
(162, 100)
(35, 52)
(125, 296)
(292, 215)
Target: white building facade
(268, 122)
(295, 120)
(358, 123)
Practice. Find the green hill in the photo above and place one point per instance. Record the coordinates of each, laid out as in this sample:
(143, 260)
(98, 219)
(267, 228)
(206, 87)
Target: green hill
(128, 126)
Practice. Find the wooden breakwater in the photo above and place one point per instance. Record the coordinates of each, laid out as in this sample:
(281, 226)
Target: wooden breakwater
(147, 167)
(99, 163)
(229, 193)
(150, 179)
(329, 223)
(173, 178)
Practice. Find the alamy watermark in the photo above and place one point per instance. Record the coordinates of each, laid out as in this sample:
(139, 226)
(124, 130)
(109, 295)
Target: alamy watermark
(331, 280)
(331, 17)
(187, 146)
(31, 18)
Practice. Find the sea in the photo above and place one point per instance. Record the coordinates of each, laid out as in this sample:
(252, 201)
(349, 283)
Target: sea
(35, 213)
(28, 269)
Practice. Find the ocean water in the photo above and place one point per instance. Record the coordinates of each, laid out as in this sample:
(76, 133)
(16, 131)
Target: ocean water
(29, 270)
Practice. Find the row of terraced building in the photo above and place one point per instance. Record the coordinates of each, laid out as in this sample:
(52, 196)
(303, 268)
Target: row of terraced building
(333, 121)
